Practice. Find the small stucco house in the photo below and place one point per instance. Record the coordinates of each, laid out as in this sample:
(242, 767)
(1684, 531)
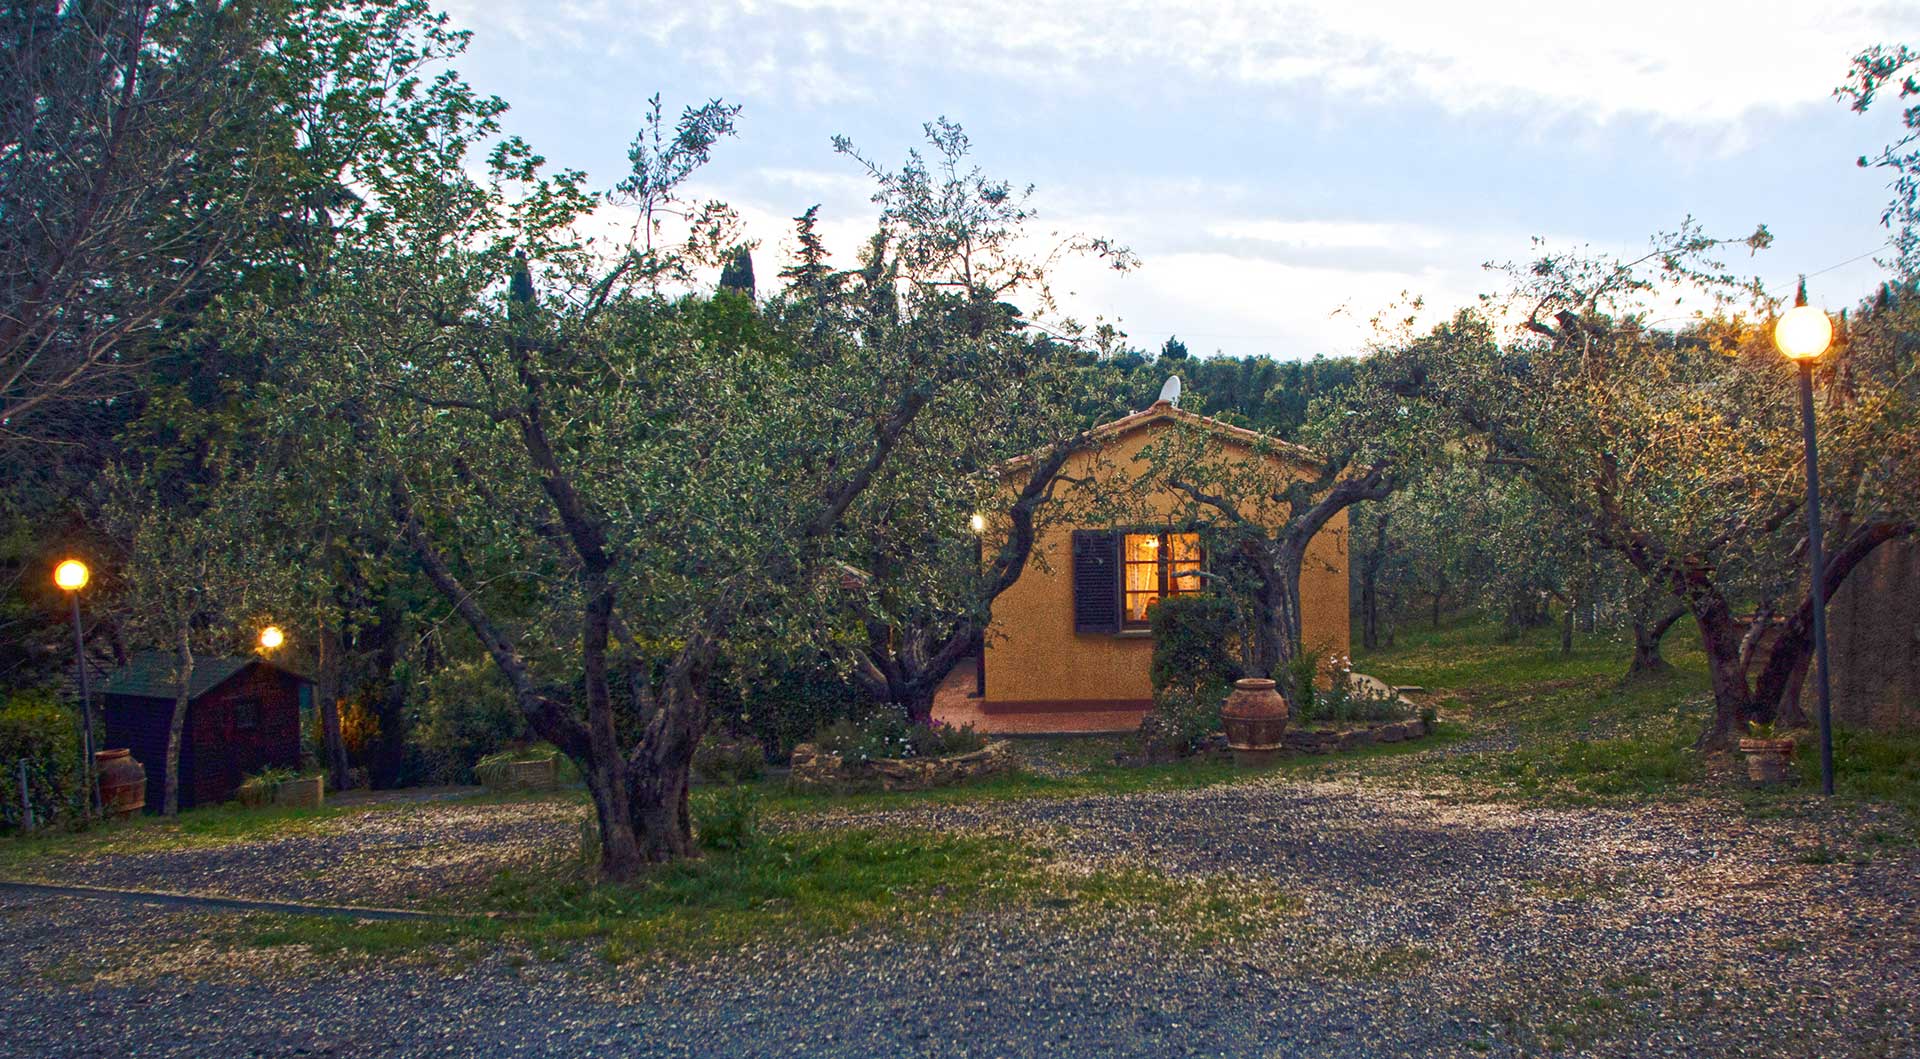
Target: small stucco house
(1069, 646)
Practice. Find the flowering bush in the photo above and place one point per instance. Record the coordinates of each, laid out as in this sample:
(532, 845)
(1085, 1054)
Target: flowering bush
(1341, 701)
(888, 735)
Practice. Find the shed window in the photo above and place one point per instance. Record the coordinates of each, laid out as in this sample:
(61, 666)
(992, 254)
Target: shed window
(1155, 566)
(246, 714)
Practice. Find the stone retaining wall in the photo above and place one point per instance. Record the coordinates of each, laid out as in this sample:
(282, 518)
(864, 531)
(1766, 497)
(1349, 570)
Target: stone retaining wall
(818, 769)
(1327, 741)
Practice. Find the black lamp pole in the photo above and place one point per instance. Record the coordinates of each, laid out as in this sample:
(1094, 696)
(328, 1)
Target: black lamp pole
(86, 702)
(1818, 559)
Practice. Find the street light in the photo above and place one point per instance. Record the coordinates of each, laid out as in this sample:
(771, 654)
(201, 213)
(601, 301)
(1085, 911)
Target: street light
(271, 637)
(72, 576)
(1803, 333)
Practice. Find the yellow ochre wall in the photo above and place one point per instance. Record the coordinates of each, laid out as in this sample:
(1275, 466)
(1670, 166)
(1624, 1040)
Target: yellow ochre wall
(1034, 658)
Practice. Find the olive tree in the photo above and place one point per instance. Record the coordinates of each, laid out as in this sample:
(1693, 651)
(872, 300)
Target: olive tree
(1679, 450)
(608, 481)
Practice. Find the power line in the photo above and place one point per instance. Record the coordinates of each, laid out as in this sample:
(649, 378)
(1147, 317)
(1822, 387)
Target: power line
(1851, 260)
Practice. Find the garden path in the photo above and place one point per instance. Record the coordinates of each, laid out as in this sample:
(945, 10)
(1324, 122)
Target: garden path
(1427, 926)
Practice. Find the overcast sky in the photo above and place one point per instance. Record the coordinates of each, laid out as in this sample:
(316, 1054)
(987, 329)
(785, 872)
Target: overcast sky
(1283, 171)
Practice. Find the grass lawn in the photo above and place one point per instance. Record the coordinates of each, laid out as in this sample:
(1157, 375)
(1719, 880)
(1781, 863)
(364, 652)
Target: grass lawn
(193, 829)
(1569, 729)
(790, 887)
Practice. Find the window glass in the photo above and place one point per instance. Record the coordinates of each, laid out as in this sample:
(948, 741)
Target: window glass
(1157, 565)
(246, 714)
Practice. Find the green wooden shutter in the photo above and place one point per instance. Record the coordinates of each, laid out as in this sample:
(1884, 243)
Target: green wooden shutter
(1096, 581)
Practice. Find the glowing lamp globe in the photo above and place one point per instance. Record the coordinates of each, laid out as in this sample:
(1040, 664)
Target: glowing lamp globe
(271, 637)
(1803, 332)
(977, 523)
(71, 575)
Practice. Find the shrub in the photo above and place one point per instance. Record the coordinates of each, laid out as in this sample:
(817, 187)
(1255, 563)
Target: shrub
(1180, 721)
(465, 712)
(39, 731)
(729, 822)
(1194, 666)
(1302, 672)
(887, 734)
(780, 702)
(1194, 641)
(721, 758)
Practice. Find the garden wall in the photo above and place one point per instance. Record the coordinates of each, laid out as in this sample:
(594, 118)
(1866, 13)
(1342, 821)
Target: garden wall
(1873, 626)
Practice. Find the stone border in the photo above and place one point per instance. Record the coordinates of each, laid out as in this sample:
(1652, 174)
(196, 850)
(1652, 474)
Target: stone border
(1298, 741)
(223, 904)
(1327, 741)
(816, 769)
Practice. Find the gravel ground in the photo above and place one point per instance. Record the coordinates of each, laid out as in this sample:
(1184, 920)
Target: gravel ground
(1427, 928)
(412, 855)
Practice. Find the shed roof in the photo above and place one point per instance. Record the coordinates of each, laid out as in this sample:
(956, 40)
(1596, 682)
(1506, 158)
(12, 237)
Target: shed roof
(150, 675)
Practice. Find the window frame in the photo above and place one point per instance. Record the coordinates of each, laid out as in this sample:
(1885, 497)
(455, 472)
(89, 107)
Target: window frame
(1166, 587)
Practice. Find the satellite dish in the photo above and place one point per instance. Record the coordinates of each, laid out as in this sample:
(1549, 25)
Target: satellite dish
(1170, 393)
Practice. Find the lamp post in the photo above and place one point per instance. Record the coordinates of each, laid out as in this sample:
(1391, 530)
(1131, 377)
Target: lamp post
(1803, 334)
(72, 575)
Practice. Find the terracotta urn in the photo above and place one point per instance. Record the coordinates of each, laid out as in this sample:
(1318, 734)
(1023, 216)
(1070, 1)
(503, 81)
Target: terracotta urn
(1767, 760)
(1255, 717)
(123, 782)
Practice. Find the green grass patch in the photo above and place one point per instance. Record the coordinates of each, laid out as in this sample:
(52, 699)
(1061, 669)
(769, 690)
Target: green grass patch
(1477, 656)
(796, 886)
(1869, 766)
(206, 828)
(1564, 728)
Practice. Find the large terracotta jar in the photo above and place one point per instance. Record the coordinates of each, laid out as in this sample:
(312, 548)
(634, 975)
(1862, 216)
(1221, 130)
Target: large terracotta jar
(1255, 717)
(123, 782)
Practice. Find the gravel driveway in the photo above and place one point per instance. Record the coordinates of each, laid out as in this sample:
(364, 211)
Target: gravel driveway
(1427, 928)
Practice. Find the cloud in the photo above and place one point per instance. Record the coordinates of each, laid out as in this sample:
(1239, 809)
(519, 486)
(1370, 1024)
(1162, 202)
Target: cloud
(1698, 63)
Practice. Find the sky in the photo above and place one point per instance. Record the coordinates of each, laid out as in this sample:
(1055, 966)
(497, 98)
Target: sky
(1283, 171)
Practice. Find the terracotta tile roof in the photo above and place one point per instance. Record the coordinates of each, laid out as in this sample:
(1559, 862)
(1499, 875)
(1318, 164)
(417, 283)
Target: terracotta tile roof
(1159, 410)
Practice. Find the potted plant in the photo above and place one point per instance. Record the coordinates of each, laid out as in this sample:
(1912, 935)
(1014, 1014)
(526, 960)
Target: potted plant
(278, 786)
(301, 792)
(1768, 754)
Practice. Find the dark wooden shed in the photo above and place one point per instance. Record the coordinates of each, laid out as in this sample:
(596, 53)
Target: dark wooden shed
(243, 715)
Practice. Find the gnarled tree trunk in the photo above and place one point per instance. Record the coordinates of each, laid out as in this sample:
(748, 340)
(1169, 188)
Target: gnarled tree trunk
(183, 686)
(1647, 634)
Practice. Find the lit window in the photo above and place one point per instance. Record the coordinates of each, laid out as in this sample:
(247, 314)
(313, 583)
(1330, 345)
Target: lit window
(1157, 565)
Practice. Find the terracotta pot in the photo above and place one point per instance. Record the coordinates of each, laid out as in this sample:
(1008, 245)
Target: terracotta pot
(1255, 717)
(123, 782)
(1767, 760)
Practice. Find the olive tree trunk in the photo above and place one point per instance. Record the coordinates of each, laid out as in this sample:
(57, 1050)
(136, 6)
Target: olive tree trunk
(183, 686)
